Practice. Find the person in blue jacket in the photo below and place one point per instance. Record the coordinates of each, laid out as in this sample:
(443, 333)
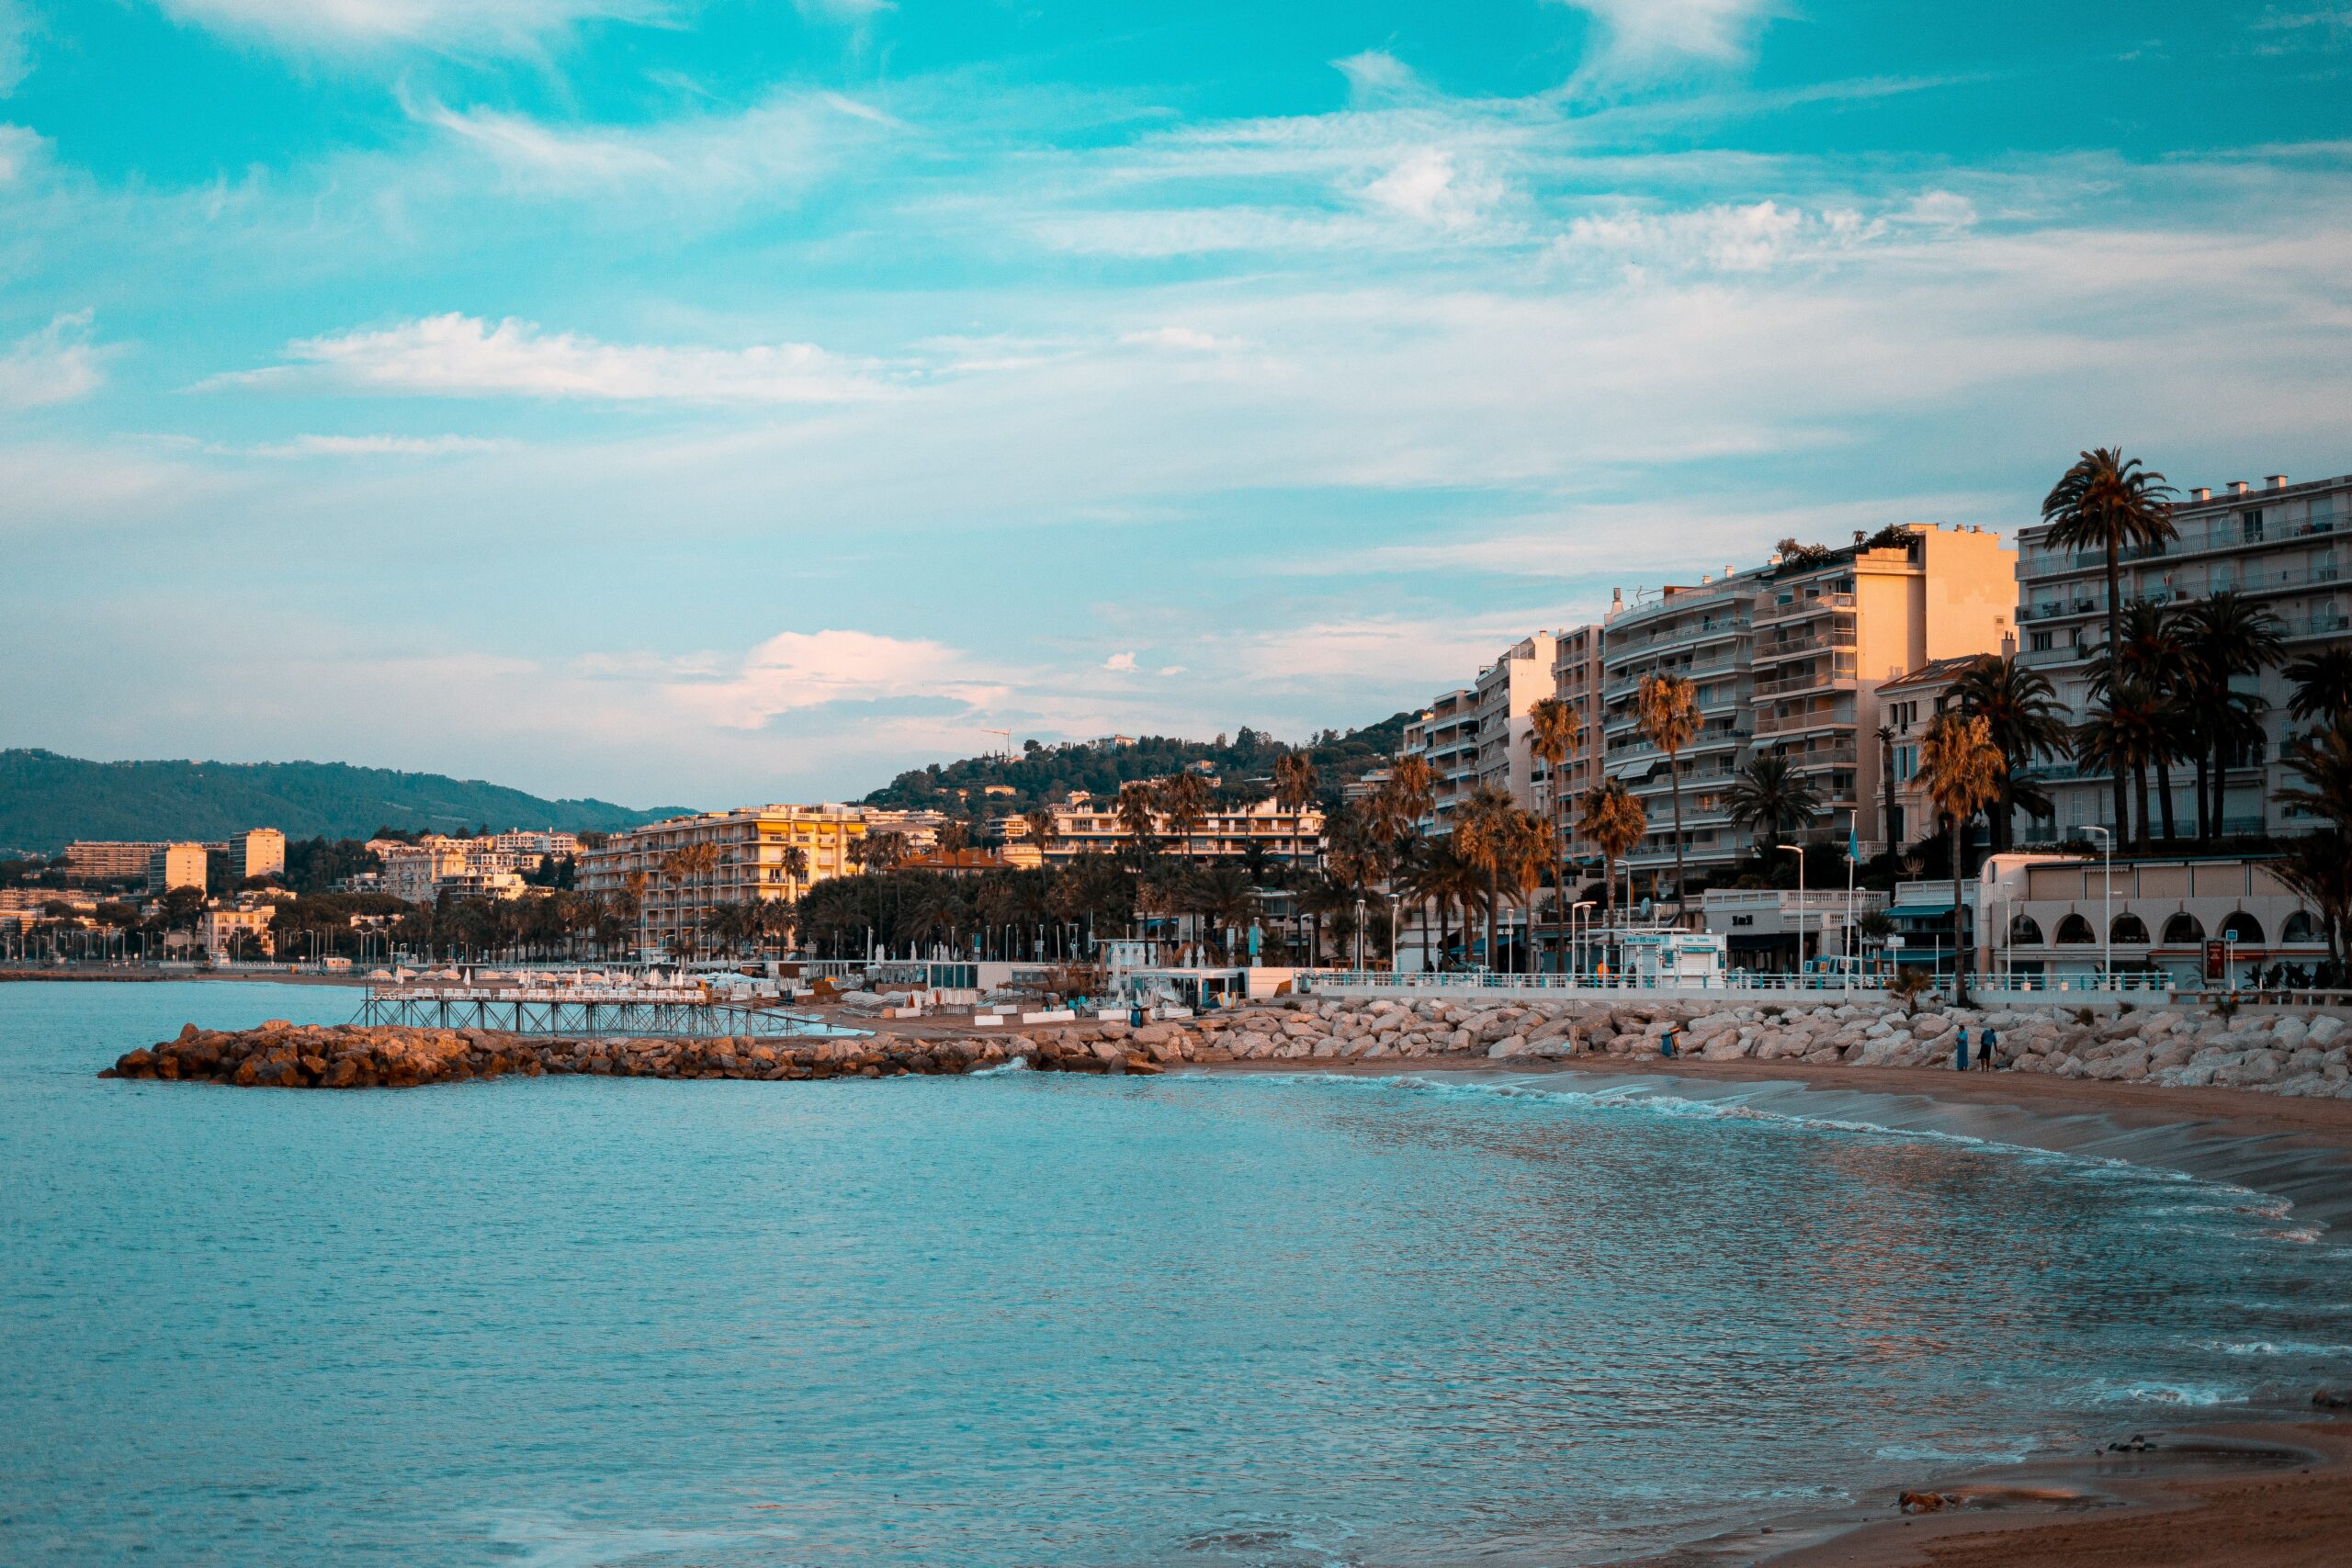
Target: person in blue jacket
(1666, 1042)
(1960, 1049)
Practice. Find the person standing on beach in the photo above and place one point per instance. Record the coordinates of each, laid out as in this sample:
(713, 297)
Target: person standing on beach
(1666, 1042)
(1960, 1049)
(1986, 1060)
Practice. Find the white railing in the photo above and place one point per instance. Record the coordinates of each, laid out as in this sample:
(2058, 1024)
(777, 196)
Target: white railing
(1982, 988)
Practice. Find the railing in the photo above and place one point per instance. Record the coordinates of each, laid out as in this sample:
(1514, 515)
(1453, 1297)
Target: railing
(1802, 609)
(1782, 724)
(1718, 626)
(1836, 637)
(1985, 987)
(1841, 669)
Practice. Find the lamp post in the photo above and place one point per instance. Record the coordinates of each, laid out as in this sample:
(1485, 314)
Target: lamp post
(2107, 927)
(1359, 936)
(1576, 944)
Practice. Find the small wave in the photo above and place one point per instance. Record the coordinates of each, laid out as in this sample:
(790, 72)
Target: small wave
(2277, 1347)
(1018, 1065)
(1990, 1451)
(2191, 1395)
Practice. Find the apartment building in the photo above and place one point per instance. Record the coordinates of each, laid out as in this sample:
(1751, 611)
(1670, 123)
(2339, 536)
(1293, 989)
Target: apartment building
(1448, 738)
(1089, 824)
(92, 860)
(1506, 693)
(2277, 543)
(752, 844)
(175, 865)
(1787, 660)
(241, 932)
(1900, 813)
(1576, 681)
(260, 852)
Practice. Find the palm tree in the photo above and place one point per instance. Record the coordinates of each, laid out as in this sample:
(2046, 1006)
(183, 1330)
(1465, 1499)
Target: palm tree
(2021, 708)
(2107, 502)
(1221, 896)
(2131, 727)
(2323, 683)
(1768, 797)
(1183, 799)
(2319, 867)
(795, 867)
(1531, 850)
(1556, 729)
(2148, 661)
(2227, 636)
(1042, 830)
(1481, 831)
(1135, 812)
(1960, 769)
(2321, 760)
(1296, 786)
(1415, 785)
(1615, 822)
(1666, 709)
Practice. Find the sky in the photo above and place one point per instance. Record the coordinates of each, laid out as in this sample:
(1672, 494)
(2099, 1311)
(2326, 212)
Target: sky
(710, 401)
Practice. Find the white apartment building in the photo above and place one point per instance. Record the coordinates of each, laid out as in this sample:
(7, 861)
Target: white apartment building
(95, 860)
(1576, 681)
(1088, 824)
(2279, 544)
(1448, 739)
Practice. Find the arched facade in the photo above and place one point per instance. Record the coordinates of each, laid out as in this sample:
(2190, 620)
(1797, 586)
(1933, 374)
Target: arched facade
(2242, 928)
(2184, 928)
(2301, 927)
(2076, 930)
(2129, 929)
(2025, 931)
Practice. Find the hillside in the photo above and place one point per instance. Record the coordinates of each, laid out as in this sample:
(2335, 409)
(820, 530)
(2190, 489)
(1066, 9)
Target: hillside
(47, 801)
(1039, 771)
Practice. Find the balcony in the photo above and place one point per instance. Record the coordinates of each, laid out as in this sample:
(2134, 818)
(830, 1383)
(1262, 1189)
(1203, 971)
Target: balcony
(1797, 723)
(1838, 634)
(1802, 609)
(1707, 630)
(1839, 675)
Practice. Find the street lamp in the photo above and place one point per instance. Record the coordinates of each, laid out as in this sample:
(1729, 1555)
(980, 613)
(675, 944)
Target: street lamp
(1359, 936)
(2107, 931)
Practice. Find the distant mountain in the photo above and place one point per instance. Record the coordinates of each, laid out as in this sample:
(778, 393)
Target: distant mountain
(1030, 778)
(47, 801)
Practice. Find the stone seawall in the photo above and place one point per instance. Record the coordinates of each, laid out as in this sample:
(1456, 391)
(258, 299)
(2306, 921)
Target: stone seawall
(285, 1055)
(2296, 1053)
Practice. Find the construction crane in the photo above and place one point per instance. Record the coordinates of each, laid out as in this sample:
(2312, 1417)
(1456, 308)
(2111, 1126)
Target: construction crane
(1008, 738)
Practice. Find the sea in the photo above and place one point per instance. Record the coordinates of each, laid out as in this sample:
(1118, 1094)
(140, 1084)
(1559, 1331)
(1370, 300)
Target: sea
(1020, 1318)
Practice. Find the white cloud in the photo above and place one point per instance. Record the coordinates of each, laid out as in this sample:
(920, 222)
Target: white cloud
(1120, 662)
(457, 356)
(19, 145)
(376, 446)
(1647, 36)
(1428, 188)
(1191, 340)
(449, 25)
(16, 51)
(796, 671)
(55, 365)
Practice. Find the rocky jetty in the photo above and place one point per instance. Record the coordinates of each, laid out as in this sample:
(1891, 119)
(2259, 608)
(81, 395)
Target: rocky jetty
(285, 1055)
(2298, 1054)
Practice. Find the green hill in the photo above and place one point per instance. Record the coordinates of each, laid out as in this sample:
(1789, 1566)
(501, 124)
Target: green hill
(1040, 771)
(47, 801)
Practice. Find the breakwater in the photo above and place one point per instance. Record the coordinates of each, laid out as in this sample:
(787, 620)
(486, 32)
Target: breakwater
(279, 1054)
(2297, 1055)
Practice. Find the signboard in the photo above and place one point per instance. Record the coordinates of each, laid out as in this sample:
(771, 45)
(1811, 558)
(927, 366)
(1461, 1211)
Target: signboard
(1894, 944)
(2216, 960)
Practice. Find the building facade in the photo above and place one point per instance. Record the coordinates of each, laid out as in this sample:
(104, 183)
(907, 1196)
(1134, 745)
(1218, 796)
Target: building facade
(92, 860)
(1788, 660)
(175, 865)
(1576, 681)
(1507, 692)
(2277, 543)
(750, 861)
(1088, 824)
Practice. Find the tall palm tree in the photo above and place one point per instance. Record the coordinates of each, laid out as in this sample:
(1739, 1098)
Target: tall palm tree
(1296, 785)
(1530, 851)
(2227, 636)
(2319, 867)
(2107, 502)
(1768, 797)
(1136, 812)
(2021, 708)
(1481, 832)
(1554, 730)
(1960, 769)
(1666, 710)
(2323, 683)
(2148, 659)
(1415, 785)
(1615, 822)
(2131, 727)
(2321, 763)
(795, 868)
(1183, 799)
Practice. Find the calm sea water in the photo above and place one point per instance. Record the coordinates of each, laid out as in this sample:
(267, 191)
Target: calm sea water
(1033, 1319)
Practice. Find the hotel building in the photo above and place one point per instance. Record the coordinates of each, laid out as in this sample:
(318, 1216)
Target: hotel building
(1576, 681)
(1787, 660)
(2277, 544)
(1085, 824)
(750, 841)
(175, 865)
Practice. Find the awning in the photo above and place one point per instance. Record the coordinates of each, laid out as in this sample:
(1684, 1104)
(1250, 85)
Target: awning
(1917, 911)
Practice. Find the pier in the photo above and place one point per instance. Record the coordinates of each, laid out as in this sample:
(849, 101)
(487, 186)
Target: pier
(684, 1012)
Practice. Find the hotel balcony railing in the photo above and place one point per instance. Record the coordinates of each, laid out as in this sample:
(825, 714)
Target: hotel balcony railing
(1713, 626)
(1840, 672)
(1801, 608)
(1840, 634)
(2332, 624)
(1791, 723)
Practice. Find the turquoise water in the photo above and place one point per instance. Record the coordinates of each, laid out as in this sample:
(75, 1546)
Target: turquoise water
(1031, 1319)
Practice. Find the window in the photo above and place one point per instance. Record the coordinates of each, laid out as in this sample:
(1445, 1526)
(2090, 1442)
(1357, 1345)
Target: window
(2300, 927)
(2038, 642)
(2025, 931)
(2250, 526)
(1906, 763)
(2241, 926)
(2076, 930)
(2129, 929)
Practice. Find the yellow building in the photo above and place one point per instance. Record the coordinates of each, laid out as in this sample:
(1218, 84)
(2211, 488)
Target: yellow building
(175, 865)
(751, 860)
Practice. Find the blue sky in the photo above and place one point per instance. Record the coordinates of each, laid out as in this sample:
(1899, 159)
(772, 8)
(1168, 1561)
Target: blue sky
(709, 403)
